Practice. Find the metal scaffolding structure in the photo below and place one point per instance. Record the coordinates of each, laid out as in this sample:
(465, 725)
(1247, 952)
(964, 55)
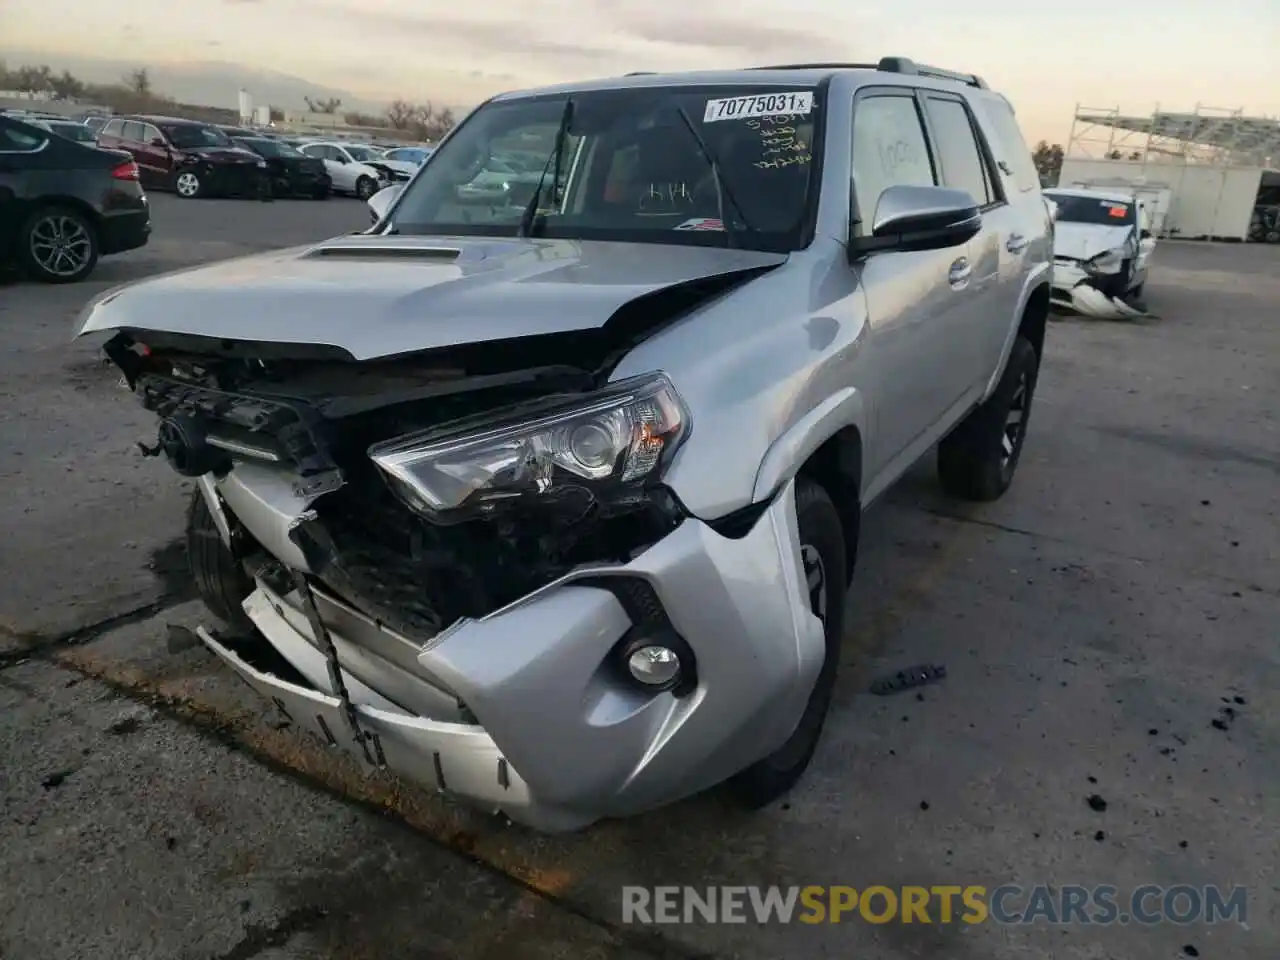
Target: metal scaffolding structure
(1207, 135)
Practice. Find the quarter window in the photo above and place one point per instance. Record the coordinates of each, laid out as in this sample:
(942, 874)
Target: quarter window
(114, 128)
(889, 150)
(1009, 146)
(958, 152)
(132, 131)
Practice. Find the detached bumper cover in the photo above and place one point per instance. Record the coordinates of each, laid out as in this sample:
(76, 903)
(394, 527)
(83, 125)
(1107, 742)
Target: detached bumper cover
(524, 711)
(1094, 295)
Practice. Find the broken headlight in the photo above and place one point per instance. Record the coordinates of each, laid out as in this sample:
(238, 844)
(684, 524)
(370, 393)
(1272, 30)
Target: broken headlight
(1108, 261)
(605, 447)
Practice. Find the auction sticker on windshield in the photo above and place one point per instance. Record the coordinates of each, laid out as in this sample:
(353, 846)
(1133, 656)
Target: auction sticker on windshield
(793, 104)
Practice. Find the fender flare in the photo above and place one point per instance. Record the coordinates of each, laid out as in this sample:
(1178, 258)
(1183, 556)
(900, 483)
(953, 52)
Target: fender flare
(794, 446)
(1041, 276)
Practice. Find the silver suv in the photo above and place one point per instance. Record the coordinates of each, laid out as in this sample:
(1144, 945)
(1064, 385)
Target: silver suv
(547, 494)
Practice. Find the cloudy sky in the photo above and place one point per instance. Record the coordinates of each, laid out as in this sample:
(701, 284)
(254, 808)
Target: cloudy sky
(1045, 56)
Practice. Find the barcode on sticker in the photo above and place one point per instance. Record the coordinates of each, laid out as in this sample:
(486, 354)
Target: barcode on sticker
(760, 105)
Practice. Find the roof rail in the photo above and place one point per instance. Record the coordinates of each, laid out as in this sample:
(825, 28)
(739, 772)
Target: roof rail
(640, 73)
(901, 65)
(818, 66)
(910, 67)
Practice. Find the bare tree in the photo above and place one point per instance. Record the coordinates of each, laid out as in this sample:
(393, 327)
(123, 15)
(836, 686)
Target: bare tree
(66, 87)
(139, 81)
(401, 114)
(328, 105)
(30, 79)
(1048, 160)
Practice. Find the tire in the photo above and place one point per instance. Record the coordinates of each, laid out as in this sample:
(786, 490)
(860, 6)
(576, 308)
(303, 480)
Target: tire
(1136, 292)
(974, 460)
(188, 185)
(321, 193)
(220, 580)
(821, 539)
(58, 245)
(366, 187)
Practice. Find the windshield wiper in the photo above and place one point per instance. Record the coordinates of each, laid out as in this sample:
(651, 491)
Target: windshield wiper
(722, 185)
(562, 134)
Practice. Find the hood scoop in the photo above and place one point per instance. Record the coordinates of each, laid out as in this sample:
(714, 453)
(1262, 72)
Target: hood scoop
(359, 251)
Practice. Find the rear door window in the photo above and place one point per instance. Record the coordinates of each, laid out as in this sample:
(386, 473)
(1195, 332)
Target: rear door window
(959, 155)
(1010, 148)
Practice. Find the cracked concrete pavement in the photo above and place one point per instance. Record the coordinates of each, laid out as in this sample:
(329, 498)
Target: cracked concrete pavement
(1095, 624)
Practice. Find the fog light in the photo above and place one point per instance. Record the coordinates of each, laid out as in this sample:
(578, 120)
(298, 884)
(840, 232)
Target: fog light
(654, 665)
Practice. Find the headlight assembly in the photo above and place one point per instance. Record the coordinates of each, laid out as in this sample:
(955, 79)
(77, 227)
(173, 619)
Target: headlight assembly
(1108, 261)
(607, 446)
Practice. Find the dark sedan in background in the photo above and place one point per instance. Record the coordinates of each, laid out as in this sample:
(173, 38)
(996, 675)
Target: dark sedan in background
(192, 159)
(64, 204)
(292, 174)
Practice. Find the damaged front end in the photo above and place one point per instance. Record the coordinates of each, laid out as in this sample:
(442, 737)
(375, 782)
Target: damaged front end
(470, 559)
(1094, 288)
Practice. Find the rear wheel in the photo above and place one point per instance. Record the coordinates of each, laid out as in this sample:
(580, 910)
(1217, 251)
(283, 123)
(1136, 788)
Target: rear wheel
(220, 580)
(822, 552)
(321, 193)
(977, 460)
(58, 245)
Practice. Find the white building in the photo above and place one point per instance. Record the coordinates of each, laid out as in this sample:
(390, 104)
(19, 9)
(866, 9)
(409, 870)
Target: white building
(1211, 162)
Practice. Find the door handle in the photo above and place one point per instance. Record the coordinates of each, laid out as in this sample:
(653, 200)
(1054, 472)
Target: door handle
(1017, 243)
(958, 275)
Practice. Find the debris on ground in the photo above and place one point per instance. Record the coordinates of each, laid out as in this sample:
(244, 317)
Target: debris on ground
(1096, 803)
(908, 679)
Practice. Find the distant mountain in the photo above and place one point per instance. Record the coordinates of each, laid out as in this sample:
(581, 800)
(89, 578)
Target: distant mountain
(213, 83)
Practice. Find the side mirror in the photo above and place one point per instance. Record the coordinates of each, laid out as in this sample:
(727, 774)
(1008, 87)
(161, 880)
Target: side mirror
(920, 218)
(381, 201)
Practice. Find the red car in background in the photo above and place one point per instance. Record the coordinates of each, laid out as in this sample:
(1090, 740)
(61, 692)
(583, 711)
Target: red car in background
(191, 158)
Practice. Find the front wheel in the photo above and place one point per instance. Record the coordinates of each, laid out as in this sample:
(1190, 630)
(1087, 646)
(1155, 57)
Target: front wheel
(366, 187)
(59, 245)
(188, 185)
(977, 460)
(822, 552)
(220, 580)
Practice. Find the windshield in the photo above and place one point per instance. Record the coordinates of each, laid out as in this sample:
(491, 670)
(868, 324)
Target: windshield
(362, 154)
(633, 168)
(409, 154)
(1094, 210)
(189, 137)
(72, 131)
(268, 148)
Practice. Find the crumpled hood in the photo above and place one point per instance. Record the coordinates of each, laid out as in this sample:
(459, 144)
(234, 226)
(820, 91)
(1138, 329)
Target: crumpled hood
(399, 166)
(1083, 241)
(382, 296)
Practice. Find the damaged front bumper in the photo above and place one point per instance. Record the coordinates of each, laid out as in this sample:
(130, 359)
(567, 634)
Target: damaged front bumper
(526, 711)
(1090, 294)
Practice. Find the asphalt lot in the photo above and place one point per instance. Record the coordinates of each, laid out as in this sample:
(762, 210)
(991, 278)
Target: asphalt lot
(1094, 624)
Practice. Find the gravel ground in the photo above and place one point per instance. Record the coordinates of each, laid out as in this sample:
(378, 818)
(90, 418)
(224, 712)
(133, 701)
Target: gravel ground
(1108, 630)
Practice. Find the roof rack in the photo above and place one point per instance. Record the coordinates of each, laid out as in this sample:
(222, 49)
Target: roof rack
(901, 65)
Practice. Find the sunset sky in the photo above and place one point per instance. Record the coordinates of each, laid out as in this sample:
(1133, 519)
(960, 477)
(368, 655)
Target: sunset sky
(1046, 57)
